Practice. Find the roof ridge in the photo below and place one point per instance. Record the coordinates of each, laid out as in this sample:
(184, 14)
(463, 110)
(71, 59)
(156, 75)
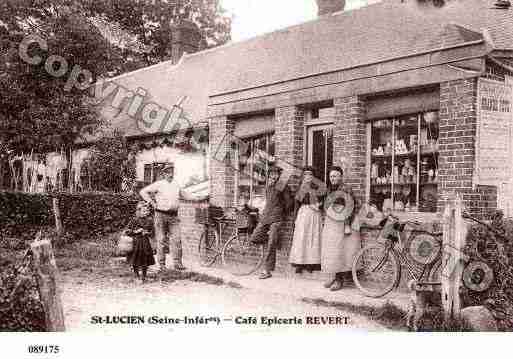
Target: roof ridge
(287, 28)
(142, 69)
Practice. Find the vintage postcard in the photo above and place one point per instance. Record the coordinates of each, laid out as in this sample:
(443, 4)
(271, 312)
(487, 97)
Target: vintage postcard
(243, 166)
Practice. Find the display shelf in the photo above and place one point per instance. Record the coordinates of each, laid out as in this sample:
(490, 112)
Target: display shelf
(404, 133)
(397, 155)
(427, 153)
(395, 184)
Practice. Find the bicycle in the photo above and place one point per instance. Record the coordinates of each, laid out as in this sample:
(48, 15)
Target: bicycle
(377, 267)
(209, 245)
(238, 255)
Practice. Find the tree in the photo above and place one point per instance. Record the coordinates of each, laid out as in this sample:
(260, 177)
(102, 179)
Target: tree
(38, 112)
(150, 22)
(110, 164)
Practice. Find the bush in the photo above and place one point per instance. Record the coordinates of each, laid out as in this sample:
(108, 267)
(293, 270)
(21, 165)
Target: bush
(495, 248)
(22, 215)
(21, 311)
(89, 215)
(84, 215)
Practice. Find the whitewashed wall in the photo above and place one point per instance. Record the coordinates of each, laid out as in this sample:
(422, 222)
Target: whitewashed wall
(187, 165)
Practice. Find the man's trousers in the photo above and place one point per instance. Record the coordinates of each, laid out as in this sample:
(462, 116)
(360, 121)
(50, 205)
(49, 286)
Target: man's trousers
(269, 233)
(167, 229)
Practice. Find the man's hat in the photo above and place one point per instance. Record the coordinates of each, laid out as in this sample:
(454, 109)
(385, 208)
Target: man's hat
(168, 167)
(274, 169)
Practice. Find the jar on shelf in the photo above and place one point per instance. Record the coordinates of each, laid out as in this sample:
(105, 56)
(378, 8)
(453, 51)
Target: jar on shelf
(431, 175)
(388, 149)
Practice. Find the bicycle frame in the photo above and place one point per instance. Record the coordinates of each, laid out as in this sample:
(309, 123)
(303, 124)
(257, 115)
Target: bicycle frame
(391, 249)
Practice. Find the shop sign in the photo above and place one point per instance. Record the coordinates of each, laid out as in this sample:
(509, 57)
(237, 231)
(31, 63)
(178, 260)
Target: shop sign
(494, 152)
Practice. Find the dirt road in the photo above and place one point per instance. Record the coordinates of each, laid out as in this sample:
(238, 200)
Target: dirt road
(89, 294)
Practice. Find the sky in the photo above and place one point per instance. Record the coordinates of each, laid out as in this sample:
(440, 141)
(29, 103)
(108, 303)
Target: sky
(253, 17)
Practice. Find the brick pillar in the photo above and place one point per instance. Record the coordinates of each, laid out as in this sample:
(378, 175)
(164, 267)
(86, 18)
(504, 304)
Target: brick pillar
(289, 135)
(350, 142)
(289, 139)
(458, 122)
(222, 161)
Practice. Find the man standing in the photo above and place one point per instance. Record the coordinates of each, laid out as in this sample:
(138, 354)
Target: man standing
(277, 202)
(164, 196)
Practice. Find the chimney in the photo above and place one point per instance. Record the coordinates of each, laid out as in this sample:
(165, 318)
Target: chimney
(325, 7)
(186, 37)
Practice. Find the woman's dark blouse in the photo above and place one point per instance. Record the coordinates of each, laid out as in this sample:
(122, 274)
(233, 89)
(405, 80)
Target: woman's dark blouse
(304, 198)
(137, 223)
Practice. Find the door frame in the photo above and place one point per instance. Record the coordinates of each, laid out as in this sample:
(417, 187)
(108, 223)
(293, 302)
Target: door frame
(309, 130)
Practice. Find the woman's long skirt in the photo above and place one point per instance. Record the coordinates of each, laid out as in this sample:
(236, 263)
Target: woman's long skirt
(306, 243)
(142, 254)
(338, 249)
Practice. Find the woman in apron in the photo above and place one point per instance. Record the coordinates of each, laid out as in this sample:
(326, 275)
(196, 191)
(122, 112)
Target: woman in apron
(305, 253)
(340, 239)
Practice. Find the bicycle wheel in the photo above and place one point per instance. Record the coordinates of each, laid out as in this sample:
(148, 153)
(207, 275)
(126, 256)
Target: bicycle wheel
(240, 256)
(376, 270)
(208, 247)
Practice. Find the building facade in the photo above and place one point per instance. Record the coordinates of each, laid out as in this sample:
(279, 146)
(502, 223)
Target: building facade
(391, 94)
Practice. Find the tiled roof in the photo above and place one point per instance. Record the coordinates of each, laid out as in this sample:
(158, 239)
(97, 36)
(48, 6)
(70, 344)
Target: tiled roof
(378, 32)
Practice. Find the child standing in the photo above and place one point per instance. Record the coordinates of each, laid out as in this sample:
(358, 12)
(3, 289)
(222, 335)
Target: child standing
(140, 229)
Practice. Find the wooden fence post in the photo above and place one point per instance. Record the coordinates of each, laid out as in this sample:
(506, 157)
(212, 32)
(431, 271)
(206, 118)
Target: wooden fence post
(57, 215)
(454, 233)
(45, 270)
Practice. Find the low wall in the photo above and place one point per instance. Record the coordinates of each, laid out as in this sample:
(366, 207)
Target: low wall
(190, 231)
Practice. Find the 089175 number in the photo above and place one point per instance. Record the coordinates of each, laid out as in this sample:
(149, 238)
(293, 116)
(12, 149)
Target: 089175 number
(43, 349)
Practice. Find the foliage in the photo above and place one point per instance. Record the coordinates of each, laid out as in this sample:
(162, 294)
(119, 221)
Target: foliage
(22, 215)
(36, 111)
(89, 215)
(84, 215)
(109, 165)
(20, 308)
(150, 22)
(104, 37)
(495, 248)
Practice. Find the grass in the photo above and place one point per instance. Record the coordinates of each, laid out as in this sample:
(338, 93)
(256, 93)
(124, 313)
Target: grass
(173, 275)
(94, 257)
(388, 314)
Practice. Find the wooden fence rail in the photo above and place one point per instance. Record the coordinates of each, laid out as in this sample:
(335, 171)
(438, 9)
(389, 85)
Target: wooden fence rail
(45, 271)
(453, 260)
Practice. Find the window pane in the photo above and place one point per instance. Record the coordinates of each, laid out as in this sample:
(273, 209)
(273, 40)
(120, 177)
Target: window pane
(402, 162)
(319, 154)
(253, 165)
(381, 164)
(428, 162)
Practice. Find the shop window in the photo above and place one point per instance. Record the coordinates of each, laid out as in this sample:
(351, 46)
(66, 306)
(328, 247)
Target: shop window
(404, 163)
(254, 156)
(152, 171)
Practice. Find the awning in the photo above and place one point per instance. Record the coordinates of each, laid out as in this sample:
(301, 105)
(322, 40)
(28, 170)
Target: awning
(403, 104)
(254, 126)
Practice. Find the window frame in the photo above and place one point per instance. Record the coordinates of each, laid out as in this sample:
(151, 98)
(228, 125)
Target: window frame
(153, 168)
(239, 172)
(418, 185)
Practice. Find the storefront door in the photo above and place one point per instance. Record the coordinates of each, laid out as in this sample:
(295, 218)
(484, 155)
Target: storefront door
(320, 150)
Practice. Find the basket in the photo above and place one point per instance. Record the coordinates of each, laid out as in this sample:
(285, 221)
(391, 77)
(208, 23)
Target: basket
(239, 218)
(203, 215)
(125, 245)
